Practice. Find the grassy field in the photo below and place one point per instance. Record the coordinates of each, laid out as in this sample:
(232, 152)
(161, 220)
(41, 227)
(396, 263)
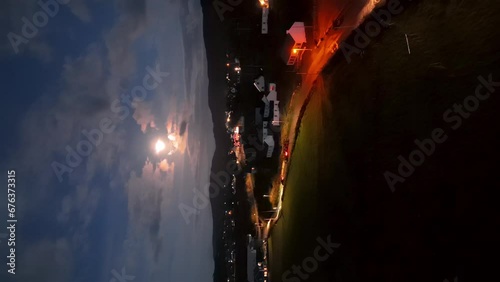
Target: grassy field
(439, 223)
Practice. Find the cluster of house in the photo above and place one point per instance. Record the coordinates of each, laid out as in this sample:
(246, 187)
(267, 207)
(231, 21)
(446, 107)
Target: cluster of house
(263, 118)
(256, 267)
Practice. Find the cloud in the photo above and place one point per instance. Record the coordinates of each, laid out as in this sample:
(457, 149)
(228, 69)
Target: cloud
(166, 246)
(119, 40)
(11, 13)
(143, 115)
(80, 10)
(83, 96)
(77, 211)
(57, 118)
(146, 194)
(166, 167)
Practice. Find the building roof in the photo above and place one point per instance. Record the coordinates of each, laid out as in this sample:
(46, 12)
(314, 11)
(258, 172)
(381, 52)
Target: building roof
(298, 32)
(272, 96)
(265, 16)
(259, 83)
(269, 140)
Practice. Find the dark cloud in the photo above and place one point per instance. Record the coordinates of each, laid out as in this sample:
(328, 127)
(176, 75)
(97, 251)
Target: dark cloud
(90, 106)
(182, 128)
(132, 8)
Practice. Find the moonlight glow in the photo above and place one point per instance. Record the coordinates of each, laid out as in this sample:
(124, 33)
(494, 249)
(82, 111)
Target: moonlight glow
(171, 137)
(160, 146)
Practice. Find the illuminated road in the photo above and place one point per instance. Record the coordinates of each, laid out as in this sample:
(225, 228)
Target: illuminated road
(353, 13)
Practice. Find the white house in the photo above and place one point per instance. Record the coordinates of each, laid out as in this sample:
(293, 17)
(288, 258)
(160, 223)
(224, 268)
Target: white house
(269, 140)
(273, 96)
(265, 16)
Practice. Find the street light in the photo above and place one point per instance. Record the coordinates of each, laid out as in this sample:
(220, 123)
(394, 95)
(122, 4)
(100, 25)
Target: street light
(300, 49)
(264, 3)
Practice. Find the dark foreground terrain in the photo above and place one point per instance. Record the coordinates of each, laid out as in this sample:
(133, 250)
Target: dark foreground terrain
(438, 219)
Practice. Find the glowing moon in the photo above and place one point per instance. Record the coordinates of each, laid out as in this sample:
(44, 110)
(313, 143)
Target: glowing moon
(160, 146)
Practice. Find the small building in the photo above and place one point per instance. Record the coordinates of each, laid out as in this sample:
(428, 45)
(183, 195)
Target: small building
(273, 97)
(269, 140)
(295, 42)
(276, 113)
(260, 83)
(273, 94)
(265, 16)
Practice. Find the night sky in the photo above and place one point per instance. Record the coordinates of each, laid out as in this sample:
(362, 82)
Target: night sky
(85, 98)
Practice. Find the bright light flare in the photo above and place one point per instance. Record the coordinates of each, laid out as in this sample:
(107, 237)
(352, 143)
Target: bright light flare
(159, 146)
(171, 137)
